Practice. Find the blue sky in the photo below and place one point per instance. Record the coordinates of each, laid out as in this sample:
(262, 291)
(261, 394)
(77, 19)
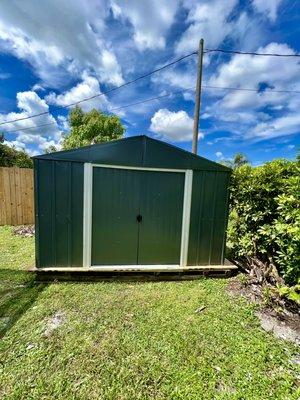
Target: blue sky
(53, 54)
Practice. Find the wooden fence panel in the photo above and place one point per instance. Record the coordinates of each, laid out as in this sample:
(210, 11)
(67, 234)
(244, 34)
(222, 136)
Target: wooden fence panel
(16, 196)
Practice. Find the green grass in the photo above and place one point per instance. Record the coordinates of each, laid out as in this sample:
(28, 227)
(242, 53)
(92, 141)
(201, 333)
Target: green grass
(133, 340)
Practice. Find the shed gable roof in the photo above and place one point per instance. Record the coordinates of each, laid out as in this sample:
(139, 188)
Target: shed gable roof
(137, 151)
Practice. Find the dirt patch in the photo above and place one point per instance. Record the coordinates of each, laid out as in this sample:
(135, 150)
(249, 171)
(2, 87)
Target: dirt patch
(54, 322)
(281, 328)
(282, 323)
(24, 230)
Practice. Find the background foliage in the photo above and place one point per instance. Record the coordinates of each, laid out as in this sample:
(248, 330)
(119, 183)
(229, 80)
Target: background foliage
(10, 157)
(265, 216)
(91, 127)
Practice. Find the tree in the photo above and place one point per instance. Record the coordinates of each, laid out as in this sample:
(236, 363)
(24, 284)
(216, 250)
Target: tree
(10, 157)
(238, 160)
(51, 149)
(91, 127)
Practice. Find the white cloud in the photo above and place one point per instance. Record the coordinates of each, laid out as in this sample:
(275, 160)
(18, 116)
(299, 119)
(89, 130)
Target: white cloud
(263, 114)
(222, 139)
(38, 87)
(15, 144)
(253, 70)
(246, 31)
(87, 88)
(282, 126)
(42, 143)
(30, 103)
(23, 140)
(290, 146)
(208, 19)
(219, 154)
(151, 20)
(267, 7)
(59, 40)
(63, 123)
(5, 75)
(183, 79)
(175, 126)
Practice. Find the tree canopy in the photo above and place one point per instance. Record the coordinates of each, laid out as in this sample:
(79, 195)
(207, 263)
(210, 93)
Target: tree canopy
(10, 157)
(91, 127)
(238, 160)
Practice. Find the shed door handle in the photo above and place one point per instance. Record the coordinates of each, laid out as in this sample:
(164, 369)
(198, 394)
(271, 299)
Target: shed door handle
(139, 218)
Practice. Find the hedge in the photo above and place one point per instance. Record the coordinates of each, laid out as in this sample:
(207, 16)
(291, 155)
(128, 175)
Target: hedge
(264, 221)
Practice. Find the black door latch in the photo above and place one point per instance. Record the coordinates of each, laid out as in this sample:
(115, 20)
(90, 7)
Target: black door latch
(139, 218)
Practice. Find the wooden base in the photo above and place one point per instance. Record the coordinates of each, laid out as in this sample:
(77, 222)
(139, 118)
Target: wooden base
(135, 272)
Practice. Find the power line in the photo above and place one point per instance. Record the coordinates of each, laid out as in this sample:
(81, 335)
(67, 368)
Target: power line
(112, 109)
(151, 99)
(167, 95)
(251, 53)
(108, 91)
(251, 90)
(153, 72)
(31, 127)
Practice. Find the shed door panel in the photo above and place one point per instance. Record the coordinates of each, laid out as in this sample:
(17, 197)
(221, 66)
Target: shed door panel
(114, 210)
(161, 208)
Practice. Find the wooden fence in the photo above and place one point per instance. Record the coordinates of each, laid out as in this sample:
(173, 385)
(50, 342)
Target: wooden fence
(16, 196)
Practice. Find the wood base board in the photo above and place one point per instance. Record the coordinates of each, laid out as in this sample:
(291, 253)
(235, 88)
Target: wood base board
(134, 273)
(139, 268)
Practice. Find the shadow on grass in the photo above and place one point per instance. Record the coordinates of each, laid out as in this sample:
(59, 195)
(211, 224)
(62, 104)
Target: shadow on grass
(18, 292)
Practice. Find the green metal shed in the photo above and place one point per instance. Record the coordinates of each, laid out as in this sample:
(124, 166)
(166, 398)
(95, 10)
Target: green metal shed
(131, 204)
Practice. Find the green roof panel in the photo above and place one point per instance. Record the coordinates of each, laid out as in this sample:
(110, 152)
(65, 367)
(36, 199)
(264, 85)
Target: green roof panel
(137, 151)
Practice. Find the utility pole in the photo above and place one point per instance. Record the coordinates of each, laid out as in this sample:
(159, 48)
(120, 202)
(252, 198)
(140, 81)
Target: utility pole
(198, 97)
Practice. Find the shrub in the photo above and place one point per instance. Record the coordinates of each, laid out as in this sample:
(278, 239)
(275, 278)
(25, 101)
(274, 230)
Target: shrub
(10, 157)
(264, 221)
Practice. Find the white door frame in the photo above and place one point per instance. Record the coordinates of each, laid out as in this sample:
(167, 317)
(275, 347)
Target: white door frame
(87, 218)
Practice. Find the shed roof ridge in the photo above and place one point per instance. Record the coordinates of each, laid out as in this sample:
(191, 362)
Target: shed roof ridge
(139, 140)
(87, 147)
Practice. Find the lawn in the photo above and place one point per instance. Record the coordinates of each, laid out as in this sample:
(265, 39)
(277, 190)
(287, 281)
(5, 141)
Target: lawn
(132, 340)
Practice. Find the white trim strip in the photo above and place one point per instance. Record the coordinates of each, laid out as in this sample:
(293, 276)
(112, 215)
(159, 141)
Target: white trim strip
(186, 214)
(87, 214)
(139, 168)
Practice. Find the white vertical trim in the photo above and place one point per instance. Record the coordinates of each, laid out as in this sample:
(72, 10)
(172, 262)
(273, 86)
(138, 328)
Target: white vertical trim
(186, 214)
(87, 214)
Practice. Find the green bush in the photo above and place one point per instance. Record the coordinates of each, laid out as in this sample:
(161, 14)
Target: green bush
(10, 157)
(265, 216)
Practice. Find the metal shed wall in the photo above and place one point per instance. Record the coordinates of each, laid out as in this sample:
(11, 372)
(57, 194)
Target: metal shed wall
(59, 192)
(209, 214)
(58, 213)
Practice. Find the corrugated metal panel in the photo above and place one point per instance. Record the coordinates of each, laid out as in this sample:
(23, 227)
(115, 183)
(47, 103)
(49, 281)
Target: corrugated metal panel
(59, 207)
(114, 225)
(44, 226)
(164, 155)
(161, 207)
(76, 214)
(208, 218)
